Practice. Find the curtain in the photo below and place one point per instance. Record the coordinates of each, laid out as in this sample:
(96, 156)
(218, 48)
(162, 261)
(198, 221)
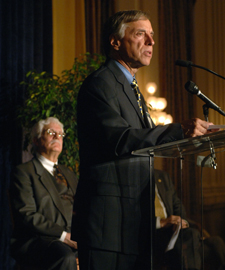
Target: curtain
(97, 12)
(25, 44)
(176, 42)
(210, 53)
(68, 33)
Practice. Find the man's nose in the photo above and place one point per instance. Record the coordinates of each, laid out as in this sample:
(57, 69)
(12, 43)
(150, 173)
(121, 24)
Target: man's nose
(150, 40)
(57, 135)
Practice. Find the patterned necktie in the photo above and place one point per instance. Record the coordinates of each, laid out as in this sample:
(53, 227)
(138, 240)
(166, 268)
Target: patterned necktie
(137, 94)
(60, 178)
(159, 211)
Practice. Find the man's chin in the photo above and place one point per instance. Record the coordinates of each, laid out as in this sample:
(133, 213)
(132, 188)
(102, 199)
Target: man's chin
(146, 62)
(142, 64)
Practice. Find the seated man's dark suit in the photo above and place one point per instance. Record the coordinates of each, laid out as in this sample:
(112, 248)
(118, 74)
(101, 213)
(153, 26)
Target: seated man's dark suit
(188, 242)
(40, 214)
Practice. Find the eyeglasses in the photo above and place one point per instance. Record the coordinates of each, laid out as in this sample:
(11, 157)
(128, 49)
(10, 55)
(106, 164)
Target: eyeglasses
(52, 132)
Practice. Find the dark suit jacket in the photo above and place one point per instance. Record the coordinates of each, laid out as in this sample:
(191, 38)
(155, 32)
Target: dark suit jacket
(37, 208)
(112, 198)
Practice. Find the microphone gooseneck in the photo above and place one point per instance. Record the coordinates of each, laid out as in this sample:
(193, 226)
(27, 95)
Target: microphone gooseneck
(184, 63)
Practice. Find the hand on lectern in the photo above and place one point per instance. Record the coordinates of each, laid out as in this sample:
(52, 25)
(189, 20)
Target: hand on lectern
(196, 127)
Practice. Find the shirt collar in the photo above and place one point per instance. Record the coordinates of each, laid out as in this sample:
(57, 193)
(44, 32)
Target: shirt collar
(47, 164)
(126, 73)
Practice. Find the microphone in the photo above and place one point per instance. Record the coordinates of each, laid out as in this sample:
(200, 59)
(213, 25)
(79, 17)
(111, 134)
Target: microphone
(193, 89)
(184, 63)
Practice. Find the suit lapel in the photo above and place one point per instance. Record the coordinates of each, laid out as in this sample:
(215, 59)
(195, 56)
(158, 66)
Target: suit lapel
(120, 77)
(68, 178)
(46, 179)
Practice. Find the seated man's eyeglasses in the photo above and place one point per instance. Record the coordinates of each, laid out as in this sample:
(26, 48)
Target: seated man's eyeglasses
(53, 133)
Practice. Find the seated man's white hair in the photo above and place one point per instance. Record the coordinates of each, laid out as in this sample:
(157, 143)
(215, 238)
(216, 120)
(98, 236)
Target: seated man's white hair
(38, 127)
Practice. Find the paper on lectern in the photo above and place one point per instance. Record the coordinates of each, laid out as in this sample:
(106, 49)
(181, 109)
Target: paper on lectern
(216, 127)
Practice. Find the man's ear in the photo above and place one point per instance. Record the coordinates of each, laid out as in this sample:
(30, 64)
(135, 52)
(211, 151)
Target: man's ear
(115, 42)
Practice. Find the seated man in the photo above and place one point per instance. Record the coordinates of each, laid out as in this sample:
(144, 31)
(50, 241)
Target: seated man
(42, 198)
(167, 221)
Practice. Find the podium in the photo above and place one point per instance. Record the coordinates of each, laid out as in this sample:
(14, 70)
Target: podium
(184, 147)
(179, 149)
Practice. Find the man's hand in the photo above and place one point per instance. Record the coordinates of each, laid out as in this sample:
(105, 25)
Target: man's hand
(70, 242)
(196, 127)
(173, 221)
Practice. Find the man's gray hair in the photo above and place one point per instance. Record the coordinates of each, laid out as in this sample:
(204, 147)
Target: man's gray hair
(38, 127)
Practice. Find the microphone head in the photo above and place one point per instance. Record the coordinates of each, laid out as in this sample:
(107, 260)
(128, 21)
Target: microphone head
(191, 87)
(183, 63)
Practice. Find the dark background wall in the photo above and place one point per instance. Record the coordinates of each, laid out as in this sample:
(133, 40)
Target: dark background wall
(25, 44)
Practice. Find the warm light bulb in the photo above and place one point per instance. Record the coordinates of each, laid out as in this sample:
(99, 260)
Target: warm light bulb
(169, 119)
(161, 104)
(151, 87)
(153, 102)
(161, 118)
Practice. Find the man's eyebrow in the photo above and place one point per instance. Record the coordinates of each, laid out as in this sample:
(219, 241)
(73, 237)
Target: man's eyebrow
(144, 30)
(141, 30)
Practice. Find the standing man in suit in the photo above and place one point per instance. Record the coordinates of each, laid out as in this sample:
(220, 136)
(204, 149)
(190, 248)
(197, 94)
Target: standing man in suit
(170, 212)
(113, 194)
(42, 198)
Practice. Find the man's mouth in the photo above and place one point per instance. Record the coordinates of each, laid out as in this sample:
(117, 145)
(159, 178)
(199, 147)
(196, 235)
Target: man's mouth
(148, 53)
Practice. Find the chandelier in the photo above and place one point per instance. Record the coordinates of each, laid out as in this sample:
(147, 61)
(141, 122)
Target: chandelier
(157, 105)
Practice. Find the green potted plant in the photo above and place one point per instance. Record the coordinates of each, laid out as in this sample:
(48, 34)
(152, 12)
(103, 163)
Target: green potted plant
(52, 95)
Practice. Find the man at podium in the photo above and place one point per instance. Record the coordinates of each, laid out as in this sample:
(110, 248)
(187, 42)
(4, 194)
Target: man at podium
(112, 202)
